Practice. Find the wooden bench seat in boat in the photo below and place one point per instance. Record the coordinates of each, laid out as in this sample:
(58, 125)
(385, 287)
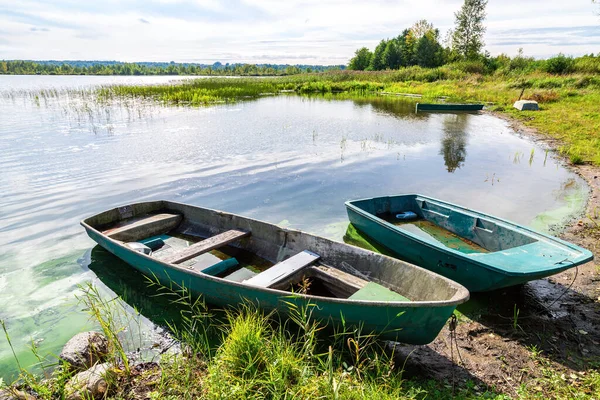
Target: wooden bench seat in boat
(341, 284)
(205, 245)
(283, 270)
(134, 229)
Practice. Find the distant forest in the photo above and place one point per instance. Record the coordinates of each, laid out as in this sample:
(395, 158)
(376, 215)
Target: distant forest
(24, 67)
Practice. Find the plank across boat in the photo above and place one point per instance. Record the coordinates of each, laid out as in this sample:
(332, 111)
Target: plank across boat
(477, 250)
(448, 107)
(208, 252)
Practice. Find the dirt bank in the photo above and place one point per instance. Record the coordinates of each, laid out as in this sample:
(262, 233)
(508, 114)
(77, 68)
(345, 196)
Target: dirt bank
(515, 336)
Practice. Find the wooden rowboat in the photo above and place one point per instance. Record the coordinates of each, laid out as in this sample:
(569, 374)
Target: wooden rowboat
(229, 259)
(477, 250)
(448, 107)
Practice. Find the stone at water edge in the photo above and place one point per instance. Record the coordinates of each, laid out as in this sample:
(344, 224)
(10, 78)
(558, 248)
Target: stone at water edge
(526, 105)
(85, 349)
(90, 384)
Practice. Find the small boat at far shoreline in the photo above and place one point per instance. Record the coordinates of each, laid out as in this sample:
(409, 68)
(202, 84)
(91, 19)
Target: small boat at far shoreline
(229, 259)
(477, 250)
(448, 107)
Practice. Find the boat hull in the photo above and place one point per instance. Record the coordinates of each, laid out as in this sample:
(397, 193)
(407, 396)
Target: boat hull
(417, 322)
(448, 107)
(535, 259)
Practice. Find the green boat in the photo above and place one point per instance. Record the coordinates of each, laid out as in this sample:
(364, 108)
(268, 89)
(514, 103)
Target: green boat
(230, 259)
(448, 107)
(474, 249)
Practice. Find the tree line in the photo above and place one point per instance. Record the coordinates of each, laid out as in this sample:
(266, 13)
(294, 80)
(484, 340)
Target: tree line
(23, 67)
(421, 44)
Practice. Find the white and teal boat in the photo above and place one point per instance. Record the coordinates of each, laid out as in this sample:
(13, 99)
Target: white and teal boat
(477, 250)
(229, 259)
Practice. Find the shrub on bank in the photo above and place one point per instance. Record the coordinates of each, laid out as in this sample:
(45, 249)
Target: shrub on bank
(559, 65)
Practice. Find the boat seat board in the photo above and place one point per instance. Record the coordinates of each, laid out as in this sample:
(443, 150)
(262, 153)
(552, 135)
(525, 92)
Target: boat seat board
(375, 292)
(134, 229)
(205, 245)
(340, 283)
(284, 269)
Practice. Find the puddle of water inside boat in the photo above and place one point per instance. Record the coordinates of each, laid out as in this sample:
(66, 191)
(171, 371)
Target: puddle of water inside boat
(436, 234)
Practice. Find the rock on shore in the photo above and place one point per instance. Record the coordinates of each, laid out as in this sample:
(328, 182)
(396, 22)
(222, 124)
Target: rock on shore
(84, 350)
(90, 384)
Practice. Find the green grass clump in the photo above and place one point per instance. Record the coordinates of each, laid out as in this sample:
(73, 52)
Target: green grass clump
(557, 384)
(243, 352)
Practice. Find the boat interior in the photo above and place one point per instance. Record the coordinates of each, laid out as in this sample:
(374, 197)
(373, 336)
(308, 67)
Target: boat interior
(234, 255)
(445, 224)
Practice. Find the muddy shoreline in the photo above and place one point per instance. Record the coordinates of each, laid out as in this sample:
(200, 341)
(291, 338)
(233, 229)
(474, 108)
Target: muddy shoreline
(510, 338)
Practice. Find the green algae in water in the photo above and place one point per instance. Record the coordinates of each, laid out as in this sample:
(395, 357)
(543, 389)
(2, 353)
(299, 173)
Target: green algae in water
(572, 197)
(53, 270)
(355, 238)
(48, 315)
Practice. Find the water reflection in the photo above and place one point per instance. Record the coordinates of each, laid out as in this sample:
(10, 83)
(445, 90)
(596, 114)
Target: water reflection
(454, 140)
(133, 287)
(398, 107)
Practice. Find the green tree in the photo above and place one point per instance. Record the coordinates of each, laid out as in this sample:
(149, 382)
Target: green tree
(467, 39)
(361, 60)
(429, 52)
(377, 61)
(391, 55)
(405, 47)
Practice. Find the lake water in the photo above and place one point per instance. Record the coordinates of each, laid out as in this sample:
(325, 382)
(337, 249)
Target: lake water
(287, 159)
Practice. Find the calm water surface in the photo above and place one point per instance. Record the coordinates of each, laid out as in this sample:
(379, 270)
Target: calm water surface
(288, 160)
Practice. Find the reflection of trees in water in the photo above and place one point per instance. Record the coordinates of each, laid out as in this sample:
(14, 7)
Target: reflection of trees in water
(395, 106)
(454, 141)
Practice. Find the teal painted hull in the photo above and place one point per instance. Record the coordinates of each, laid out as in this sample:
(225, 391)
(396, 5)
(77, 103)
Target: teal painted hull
(417, 322)
(511, 254)
(448, 107)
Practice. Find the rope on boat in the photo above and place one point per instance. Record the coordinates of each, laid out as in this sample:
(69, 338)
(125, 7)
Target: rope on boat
(547, 308)
(452, 328)
(564, 292)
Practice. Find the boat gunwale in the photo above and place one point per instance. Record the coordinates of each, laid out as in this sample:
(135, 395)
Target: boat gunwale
(585, 255)
(462, 294)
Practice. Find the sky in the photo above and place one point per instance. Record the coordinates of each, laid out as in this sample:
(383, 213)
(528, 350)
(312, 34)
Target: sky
(319, 32)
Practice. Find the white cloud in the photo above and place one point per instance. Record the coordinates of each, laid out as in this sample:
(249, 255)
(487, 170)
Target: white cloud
(307, 32)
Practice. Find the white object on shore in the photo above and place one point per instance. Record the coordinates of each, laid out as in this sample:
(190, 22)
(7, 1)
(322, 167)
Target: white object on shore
(526, 105)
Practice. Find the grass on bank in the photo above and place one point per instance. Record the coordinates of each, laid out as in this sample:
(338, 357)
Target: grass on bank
(262, 356)
(569, 103)
(255, 355)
